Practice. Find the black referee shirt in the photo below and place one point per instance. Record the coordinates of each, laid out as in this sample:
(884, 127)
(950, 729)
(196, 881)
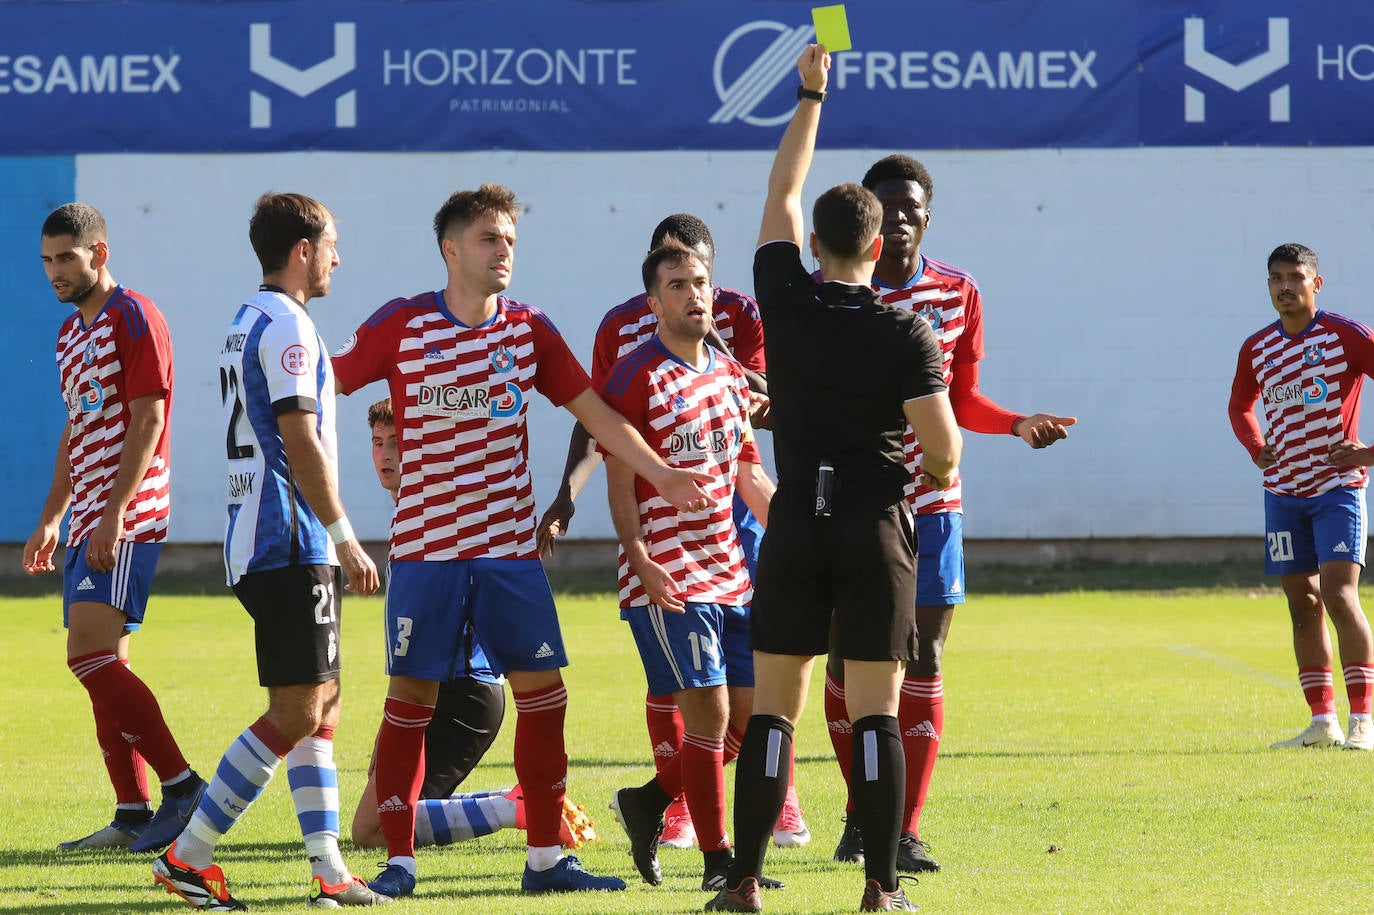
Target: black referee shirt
(840, 366)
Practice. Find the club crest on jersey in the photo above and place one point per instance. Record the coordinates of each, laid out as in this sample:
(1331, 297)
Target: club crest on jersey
(933, 318)
(1313, 354)
(468, 402)
(501, 360)
(92, 350)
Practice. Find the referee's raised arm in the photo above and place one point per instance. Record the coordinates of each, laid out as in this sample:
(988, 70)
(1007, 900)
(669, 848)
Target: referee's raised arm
(782, 210)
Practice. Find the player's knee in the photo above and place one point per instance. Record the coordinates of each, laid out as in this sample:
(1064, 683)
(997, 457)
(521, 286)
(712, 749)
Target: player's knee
(367, 834)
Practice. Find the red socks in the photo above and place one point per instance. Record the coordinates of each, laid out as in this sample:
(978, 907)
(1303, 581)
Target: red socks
(123, 762)
(703, 781)
(400, 772)
(1317, 690)
(132, 708)
(541, 765)
(841, 731)
(1359, 682)
(921, 715)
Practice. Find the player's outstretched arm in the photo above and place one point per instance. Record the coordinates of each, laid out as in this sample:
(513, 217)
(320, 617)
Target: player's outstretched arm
(314, 477)
(577, 469)
(680, 488)
(42, 543)
(932, 420)
(782, 209)
(624, 503)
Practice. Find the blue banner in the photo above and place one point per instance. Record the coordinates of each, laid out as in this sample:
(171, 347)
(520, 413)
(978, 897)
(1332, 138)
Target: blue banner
(167, 76)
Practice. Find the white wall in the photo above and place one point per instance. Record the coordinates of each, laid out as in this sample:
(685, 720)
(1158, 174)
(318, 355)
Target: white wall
(1118, 287)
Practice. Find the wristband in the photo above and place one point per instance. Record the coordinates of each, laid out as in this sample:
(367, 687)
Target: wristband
(803, 92)
(340, 531)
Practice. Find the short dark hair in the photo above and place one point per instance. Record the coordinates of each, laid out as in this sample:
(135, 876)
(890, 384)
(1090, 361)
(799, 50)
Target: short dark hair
(1293, 253)
(898, 167)
(81, 221)
(846, 218)
(462, 207)
(671, 253)
(280, 221)
(687, 229)
(379, 414)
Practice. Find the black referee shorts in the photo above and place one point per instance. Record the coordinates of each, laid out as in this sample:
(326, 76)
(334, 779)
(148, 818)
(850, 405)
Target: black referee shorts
(858, 566)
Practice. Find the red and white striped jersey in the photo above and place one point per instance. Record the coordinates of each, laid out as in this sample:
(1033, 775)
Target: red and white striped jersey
(1310, 384)
(693, 419)
(460, 395)
(949, 299)
(628, 325)
(125, 354)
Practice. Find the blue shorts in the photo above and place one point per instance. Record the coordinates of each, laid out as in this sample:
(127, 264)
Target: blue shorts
(939, 559)
(435, 611)
(708, 645)
(473, 661)
(750, 534)
(126, 588)
(1302, 533)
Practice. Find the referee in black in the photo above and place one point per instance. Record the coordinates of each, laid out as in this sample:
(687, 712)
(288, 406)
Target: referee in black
(846, 374)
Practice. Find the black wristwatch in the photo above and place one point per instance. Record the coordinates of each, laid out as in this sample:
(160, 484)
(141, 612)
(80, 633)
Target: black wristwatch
(803, 92)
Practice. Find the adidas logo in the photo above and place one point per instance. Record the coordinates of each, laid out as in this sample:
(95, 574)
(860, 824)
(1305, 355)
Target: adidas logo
(665, 750)
(956, 588)
(1338, 548)
(679, 403)
(86, 584)
(544, 651)
(561, 784)
(924, 729)
(129, 738)
(840, 727)
(432, 352)
(391, 805)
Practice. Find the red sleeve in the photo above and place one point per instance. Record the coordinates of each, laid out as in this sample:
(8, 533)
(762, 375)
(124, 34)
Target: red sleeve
(557, 375)
(1244, 392)
(747, 345)
(969, 347)
(628, 398)
(145, 358)
(603, 353)
(973, 410)
(370, 353)
(749, 453)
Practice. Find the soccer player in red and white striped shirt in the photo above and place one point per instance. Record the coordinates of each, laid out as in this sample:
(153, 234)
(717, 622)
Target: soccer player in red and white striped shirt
(1309, 367)
(684, 584)
(114, 354)
(949, 300)
(462, 363)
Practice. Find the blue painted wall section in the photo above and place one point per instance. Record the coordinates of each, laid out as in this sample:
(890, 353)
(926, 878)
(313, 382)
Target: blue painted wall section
(30, 188)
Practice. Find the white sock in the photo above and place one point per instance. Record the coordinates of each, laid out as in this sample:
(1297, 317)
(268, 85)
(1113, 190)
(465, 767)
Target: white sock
(544, 857)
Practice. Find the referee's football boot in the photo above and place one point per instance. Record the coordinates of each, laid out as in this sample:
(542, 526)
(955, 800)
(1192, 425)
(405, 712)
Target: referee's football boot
(1360, 733)
(913, 855)
(202, 888)
(643, 824)
(743, 897)
(877, 899)
(850, 849)
(172, 814)
(1317, 735)
(718, 867)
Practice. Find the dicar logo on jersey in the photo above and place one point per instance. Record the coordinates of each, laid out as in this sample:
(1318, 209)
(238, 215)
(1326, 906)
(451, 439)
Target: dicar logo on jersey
(468, 402)
(1316, 392)
(1278, 394)
(1313, 355)
(295, 359)
(694, 443)
(501, 360)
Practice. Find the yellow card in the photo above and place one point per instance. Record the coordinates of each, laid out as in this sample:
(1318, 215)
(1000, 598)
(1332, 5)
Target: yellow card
(832, 27)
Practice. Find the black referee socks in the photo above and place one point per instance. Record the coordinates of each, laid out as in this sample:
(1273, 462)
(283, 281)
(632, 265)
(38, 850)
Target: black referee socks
(761, 773)
(877, 782)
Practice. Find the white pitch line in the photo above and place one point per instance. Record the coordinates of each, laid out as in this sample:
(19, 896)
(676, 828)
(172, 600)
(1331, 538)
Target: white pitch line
(1233, 666)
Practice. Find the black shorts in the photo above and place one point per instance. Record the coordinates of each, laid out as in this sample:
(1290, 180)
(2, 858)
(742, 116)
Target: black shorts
(467, 718)
(295, 613)
(859, 566)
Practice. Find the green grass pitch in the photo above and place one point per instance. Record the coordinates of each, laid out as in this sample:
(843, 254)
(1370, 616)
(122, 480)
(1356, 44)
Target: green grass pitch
(1104, 752)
